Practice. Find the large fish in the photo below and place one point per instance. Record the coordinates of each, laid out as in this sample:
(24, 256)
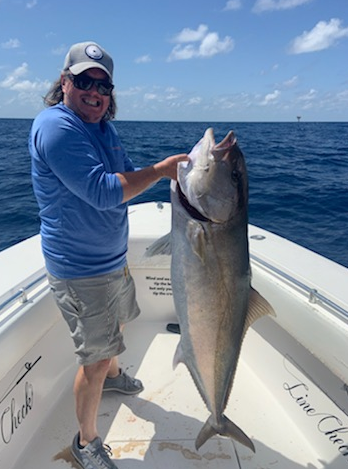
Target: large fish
(210, 274)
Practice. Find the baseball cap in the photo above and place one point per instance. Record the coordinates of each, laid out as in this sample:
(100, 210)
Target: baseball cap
(85, 55)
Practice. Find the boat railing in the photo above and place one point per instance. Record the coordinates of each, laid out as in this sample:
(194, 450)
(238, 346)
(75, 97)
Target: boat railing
(312, 294)
(22, 295)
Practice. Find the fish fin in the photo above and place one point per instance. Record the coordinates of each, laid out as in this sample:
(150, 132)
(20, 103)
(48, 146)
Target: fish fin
(160, 247)
(178, 356)
(258, 307)
(225, 428)
(207, 431)
(196, 237)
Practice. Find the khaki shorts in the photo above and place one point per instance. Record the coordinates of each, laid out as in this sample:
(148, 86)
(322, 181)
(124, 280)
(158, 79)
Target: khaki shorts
(94, 309)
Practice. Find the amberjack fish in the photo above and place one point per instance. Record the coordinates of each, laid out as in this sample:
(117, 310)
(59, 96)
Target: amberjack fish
(210, 273)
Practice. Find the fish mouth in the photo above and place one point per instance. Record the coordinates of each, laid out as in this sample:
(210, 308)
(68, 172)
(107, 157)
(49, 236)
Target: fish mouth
(220, 149)
(192, 211)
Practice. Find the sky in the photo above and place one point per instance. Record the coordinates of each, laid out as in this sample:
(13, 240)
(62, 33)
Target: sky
(186, 60)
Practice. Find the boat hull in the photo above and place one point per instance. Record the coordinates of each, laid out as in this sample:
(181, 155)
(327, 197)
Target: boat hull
(289, 394)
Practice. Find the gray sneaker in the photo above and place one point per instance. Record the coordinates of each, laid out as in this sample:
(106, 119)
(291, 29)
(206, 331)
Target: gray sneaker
(93, 456)
(123, 384)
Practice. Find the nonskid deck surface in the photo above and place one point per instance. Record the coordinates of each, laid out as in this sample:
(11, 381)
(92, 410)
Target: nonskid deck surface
(158, 428)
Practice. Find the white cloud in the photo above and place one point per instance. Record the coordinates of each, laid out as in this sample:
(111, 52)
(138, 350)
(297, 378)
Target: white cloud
(209, 44)
(191, 35)
(343, 96)
(308, 96)
(60, 50)
(31, 4)
(172, 103)
(130, 92)
(226, 102)
(322, 36)
(171, 93)
(11, 44)
(15, 82)
(13, 77)
(233, 5)
(182, 53)
(272, 69)
(194, 101)
(172, 97)
(143, 59)
(171, 89)
(150, 96)
(270, 98)
(291, 82)
(26, 85)
(270, 5)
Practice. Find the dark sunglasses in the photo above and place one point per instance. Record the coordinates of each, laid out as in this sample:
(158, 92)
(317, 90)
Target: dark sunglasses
(85, 83)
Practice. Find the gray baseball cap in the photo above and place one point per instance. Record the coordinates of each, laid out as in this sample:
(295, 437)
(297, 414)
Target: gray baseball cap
(85, 55)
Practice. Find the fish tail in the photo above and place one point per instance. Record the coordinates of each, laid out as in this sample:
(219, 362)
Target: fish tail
(225, 428)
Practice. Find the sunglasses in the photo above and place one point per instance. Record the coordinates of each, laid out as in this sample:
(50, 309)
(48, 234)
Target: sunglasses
(85, 83)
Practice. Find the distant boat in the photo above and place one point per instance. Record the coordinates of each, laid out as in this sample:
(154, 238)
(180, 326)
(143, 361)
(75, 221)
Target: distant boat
(298, 118)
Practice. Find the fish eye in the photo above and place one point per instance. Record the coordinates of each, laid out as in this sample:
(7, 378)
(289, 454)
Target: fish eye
(235, 175)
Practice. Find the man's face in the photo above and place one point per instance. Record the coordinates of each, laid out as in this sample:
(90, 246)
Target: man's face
(90, 105)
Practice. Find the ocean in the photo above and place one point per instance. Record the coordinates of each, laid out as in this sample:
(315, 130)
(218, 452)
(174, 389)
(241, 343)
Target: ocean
(298, 176)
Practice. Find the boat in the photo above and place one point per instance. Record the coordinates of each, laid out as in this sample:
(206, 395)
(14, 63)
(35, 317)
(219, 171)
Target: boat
(290, 393)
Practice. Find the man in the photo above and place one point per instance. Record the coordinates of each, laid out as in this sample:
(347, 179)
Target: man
(83, 179)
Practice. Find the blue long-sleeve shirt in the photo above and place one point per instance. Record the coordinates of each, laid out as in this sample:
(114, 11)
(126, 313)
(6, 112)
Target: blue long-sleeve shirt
(84, 225)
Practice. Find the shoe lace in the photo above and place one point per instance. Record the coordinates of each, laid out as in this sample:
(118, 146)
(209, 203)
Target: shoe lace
(107, 449)
(102, 455)
(129, 382)
(124, 371)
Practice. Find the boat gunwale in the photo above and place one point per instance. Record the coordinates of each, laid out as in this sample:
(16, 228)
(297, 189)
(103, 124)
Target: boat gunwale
(312, 294)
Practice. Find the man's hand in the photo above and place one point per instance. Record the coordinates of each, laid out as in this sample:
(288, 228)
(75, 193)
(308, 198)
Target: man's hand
(136, 182)
(168, 167)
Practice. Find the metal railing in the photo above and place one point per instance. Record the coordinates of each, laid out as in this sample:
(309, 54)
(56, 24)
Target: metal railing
(22, 294)
(313, 295)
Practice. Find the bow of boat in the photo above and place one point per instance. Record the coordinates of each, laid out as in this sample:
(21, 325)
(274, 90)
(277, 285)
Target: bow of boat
(290, 393)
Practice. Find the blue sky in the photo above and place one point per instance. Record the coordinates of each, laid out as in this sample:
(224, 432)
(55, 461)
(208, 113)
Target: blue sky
(186, 60)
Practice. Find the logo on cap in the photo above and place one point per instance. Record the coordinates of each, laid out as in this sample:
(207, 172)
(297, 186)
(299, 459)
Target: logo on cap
(94, 52)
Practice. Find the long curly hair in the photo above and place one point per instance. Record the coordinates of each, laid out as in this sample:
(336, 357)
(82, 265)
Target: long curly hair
(55, 96)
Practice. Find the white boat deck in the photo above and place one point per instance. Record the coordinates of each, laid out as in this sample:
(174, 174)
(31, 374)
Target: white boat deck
(290, 394)
(157, 429)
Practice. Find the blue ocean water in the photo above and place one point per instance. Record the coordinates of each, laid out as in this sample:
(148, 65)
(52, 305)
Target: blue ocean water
(298, 176)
